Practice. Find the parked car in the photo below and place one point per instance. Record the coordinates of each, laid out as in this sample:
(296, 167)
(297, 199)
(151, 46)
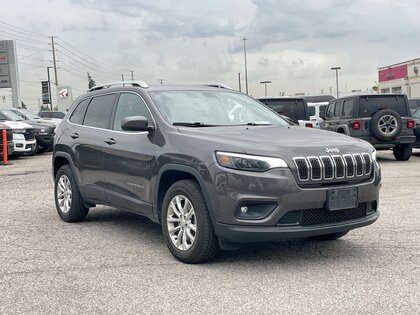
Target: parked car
(51, 114)
(23, 134)
(176, 155)
(294, 107)
(44, 132)
(316, 112)
(384, 120)
(26, 114)
(414, 103)
(9, 140)
(416, 117)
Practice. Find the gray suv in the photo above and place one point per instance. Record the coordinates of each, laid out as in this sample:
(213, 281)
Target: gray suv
(384, 120)
(177, 155)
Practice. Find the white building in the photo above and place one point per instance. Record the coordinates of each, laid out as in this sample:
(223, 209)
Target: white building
(402, 77)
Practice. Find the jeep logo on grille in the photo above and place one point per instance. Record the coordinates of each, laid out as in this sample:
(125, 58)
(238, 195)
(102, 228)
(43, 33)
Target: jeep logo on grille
(332, 150)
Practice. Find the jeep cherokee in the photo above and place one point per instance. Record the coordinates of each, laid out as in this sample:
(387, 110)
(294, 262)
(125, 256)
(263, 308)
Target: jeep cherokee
(176, 155)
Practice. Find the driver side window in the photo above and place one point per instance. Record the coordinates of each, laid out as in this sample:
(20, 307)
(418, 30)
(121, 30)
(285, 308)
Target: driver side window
(129, 104)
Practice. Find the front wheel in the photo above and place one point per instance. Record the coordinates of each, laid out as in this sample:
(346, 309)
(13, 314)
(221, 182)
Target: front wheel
(68, 201)
(186, 223)
(402, 152)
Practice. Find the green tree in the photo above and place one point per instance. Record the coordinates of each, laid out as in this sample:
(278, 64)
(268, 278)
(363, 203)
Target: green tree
(91, 82)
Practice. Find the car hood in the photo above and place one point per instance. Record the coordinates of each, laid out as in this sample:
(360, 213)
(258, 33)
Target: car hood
(17, 125)
(37, 124)
(279, 141)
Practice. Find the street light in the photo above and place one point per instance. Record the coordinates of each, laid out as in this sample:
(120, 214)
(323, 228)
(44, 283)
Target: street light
(336, 76)
(265, 85)
(246, 70)
(49, 85)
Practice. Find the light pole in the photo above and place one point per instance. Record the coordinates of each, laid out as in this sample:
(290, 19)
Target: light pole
(336, 76)
(49, 86)
(265, 85)
(246, 70)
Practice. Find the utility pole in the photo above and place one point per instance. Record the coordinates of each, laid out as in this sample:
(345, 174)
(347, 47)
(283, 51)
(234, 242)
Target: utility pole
(132, 75)
(54, 60)
(265, 85)
(246, 70)
(122, 77)
(49, 86)
(161, 81)
(239, 79)
(336, 76)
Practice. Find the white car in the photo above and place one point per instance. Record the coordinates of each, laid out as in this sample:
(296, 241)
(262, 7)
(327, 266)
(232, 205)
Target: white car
(23, 136)
(316, 112)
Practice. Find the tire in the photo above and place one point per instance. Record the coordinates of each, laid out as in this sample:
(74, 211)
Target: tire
(331, 237)
(402, 152)
(73, 209)
(182, 197)
(386, 124)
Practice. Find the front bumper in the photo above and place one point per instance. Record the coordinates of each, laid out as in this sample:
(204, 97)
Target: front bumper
(251, 234)
(45, 141)
(229, 190)
(23, 146)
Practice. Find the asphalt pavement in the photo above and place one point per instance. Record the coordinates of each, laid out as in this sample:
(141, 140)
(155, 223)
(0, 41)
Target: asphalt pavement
(116, 262)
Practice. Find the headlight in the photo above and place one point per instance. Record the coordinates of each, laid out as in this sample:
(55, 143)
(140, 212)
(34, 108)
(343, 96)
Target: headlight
(18, 136)
(374, 155)
(247, 162)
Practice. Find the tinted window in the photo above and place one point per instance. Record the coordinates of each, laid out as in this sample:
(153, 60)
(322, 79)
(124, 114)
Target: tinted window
(337, 109)
(322, 110)
(78, 114)
(347, 108)
(58, 115)
(330, 110)
(293, 108)
(369, 105)
(416, 114)
(129, 105)
(311, 110)
(99, 111)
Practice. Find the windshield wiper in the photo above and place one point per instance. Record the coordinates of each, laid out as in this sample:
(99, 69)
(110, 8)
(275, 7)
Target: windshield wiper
(258, 124)
(194, 124)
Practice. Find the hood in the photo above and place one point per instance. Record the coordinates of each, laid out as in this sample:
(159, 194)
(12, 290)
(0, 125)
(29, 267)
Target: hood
(17, 124)
(282, 141)
(37, 124)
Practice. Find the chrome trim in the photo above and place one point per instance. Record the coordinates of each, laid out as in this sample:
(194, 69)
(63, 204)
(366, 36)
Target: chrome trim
(311, 168)
(370, 163)
(323, 166)
(297, 168)
(336, 168)
(354, 165)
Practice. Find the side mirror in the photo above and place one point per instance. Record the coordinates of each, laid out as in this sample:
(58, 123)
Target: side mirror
(136, 123)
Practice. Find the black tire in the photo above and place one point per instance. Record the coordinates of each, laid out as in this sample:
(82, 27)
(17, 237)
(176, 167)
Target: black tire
(331, 237)
(77, 211)
(205, 245)
(379, 117)
(402, 152)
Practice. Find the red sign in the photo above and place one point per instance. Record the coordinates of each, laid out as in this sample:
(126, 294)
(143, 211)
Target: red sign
(392, 73)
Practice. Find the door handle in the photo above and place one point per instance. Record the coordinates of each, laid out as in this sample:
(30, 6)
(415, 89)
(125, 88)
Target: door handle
(110, 141)
(74, 135)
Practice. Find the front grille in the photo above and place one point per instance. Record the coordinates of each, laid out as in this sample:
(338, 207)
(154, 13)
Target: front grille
(29, 134)
(321, 216)
(335, 167)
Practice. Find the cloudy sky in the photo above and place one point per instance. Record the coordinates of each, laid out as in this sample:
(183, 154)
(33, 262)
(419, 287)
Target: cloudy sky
(291, 43)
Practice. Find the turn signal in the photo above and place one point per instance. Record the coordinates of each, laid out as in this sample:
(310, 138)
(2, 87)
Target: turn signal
(309, 125)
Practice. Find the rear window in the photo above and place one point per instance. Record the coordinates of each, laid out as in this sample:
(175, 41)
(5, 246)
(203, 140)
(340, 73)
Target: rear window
(311, 110)
(322, 110)
(293, 108)
(369, 105)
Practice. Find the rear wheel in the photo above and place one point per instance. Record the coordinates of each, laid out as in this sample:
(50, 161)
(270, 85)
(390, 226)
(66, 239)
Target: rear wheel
(402, 152)
(68, 201)
(331, 237)
(186, 223)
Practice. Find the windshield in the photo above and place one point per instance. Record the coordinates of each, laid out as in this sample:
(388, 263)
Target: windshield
(10, 115)
(29, 114)
(293, 108)
(213, 108)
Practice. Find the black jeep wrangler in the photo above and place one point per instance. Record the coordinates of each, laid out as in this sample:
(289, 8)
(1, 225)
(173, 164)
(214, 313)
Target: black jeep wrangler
(384, 120)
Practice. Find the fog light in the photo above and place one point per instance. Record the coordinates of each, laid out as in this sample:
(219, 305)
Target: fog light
(254, 210)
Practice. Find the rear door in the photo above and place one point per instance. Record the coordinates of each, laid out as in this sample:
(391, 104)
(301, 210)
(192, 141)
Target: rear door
(89, 124)
(129, 157)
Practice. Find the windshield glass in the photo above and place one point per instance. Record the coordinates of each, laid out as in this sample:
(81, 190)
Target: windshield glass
(11, 115)
(29, 114)
(213, 108)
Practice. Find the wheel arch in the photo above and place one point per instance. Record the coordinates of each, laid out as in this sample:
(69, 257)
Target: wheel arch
(170, 174)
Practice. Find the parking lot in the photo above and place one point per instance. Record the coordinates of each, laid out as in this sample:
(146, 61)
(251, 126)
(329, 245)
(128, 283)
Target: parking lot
(117, 262)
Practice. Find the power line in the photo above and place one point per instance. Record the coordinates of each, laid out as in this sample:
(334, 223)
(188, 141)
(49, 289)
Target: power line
(21, 38)
(23, 30)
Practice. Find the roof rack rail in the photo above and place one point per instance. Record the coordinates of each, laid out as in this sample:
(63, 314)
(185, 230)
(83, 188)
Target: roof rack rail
(219, 85)
(121, 83)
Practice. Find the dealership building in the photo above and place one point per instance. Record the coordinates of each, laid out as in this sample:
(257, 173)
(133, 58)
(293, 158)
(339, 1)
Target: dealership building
(402, 77)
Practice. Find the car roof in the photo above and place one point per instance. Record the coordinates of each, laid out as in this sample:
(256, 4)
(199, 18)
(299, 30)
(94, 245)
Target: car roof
(370, 95)
(280, 98)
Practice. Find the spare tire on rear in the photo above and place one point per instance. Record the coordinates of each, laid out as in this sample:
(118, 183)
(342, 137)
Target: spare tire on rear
(386, 124)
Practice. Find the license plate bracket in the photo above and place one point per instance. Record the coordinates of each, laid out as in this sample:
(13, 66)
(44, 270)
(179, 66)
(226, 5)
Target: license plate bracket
(343, 198)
